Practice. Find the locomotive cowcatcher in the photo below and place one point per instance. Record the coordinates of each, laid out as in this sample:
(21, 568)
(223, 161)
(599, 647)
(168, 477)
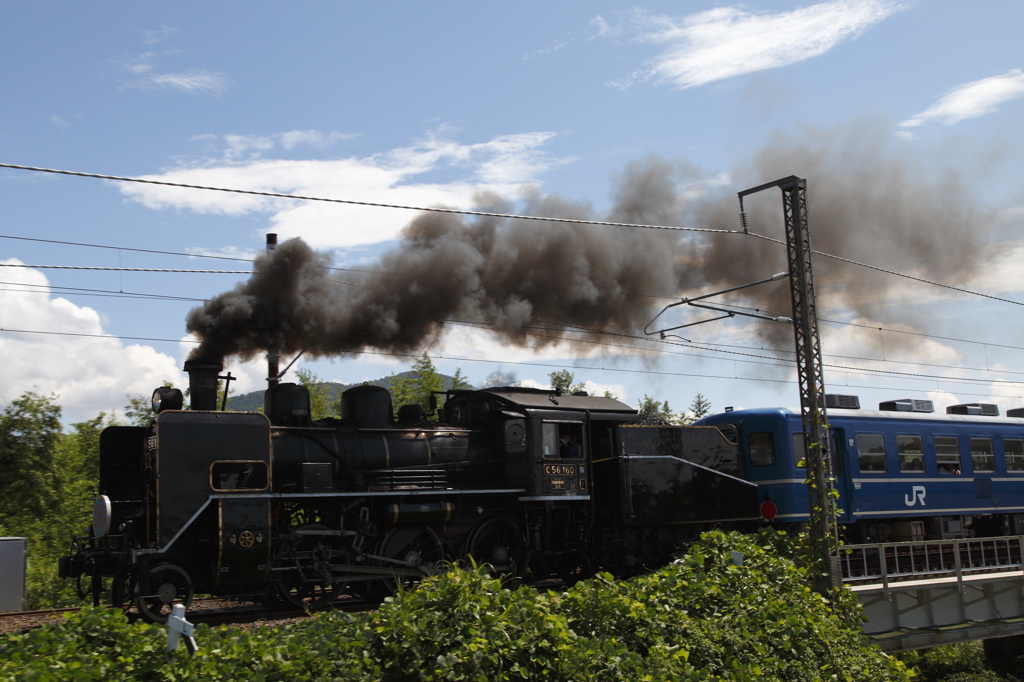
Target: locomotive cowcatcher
(280, 508)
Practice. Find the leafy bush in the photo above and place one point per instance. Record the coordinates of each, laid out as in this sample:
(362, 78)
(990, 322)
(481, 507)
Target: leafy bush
(963, 662)
(701, 618)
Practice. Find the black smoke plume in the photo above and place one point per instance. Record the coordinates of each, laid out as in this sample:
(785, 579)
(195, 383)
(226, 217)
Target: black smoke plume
(867, 201)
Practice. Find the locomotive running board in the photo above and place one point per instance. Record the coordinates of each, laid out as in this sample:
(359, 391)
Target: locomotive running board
(264, 496)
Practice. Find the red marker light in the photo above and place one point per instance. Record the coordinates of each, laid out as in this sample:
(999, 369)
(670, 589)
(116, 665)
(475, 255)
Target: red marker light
(769, 510)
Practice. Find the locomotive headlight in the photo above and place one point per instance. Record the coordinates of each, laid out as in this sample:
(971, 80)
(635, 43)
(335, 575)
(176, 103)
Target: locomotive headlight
(102, 514)
(166, 398)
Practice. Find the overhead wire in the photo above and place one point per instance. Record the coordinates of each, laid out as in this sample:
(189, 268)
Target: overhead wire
(431, 209)
(893, 272)
(68, 291)
(164, 253)
(437, 209)
(486, 214)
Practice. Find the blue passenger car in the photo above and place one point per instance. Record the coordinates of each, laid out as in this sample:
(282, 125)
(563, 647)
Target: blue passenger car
(902, 472)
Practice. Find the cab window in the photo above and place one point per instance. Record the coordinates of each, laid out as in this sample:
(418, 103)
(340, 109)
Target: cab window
(562, 440)
(871, 452)
(762, 449)
(911, 453)
(947, 454)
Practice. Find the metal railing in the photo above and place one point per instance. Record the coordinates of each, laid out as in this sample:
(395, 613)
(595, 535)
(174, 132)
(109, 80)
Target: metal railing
(917, 560)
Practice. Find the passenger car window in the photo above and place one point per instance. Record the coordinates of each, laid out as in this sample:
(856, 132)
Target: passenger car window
(982, 458)
(871, 452)
(762, 449)
(1014, 449)
(947, 454)
(911, 453)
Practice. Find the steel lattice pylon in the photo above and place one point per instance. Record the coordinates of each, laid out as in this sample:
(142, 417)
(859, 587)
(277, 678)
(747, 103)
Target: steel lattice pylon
(821, 521)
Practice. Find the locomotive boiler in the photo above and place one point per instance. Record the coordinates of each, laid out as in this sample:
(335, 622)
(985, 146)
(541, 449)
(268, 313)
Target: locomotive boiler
(278, 507)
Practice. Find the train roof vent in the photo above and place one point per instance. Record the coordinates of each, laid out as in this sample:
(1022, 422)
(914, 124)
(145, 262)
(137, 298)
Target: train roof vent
(907, 405)
(986, 409)
(1015, 412)
(844, 402)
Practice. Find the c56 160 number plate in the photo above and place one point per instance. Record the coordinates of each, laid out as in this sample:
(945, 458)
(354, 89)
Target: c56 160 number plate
(559, 469)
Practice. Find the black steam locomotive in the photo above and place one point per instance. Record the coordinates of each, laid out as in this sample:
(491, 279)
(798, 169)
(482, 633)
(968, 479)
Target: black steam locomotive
(281, 508)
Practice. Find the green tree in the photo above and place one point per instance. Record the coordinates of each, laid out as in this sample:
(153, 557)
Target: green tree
(561, 381)
(30, 429)
(417, 387)
(139, 410)
(75, 484)
(699, 408)
(319, 395)
(48, 480)
(459, 381)
(652, 410)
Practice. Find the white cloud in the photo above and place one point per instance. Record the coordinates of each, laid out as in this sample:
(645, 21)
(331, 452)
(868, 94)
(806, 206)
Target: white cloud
(59, 122)
(971, 100)
(89, 373)
(730, 41)
(501, 165)
(157, 36)
(239, 147)
(312, 138)
(192, 81)
(553, 46)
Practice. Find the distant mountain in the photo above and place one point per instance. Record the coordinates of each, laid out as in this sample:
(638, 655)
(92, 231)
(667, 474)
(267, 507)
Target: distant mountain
(250, 402)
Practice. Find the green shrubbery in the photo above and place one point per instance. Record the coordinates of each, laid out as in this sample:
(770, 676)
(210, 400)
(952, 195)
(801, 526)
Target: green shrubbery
(700, 618)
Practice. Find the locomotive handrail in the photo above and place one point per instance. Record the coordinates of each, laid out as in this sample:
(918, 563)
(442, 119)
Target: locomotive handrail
(917, 560)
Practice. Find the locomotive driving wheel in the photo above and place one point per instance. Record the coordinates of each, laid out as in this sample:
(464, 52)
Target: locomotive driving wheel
(305, 579)
(157, 590)
(409, 550)
(498, 544)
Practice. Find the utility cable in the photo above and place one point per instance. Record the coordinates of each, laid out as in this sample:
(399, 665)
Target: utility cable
(68, 291)
(571, 221)
(164, 253)
(90, 267)
(893, 272)
(530, 364)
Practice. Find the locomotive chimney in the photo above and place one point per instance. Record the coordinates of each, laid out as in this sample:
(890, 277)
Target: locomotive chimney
(273, 357)
(202, 382)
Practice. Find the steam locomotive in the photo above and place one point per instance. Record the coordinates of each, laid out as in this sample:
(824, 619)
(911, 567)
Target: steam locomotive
(278, 507)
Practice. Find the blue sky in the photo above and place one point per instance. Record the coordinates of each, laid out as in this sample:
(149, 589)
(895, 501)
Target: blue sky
(909, 104)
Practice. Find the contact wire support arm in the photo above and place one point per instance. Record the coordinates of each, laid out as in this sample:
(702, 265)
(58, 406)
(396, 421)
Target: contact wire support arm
(728, 313)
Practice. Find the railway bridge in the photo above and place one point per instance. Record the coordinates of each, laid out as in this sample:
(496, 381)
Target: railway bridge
(927, 593)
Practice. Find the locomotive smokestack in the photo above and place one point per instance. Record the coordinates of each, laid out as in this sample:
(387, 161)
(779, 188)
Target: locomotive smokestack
(273, 367)
(273, 357)
(202, 382)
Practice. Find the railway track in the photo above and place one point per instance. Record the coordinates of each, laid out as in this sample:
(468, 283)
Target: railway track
(209, 611)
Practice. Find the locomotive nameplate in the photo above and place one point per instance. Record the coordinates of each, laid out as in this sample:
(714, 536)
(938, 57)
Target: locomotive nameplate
(559, 469)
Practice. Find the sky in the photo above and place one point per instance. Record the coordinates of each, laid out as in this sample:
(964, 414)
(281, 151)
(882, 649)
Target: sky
(906, 119)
